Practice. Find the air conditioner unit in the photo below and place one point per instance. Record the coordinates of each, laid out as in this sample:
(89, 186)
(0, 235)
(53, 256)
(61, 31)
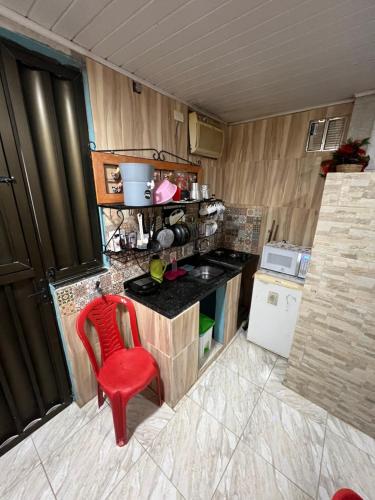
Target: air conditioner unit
(206, 136)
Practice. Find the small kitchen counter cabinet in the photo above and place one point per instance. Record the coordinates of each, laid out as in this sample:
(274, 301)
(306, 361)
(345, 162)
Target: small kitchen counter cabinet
(175, 342)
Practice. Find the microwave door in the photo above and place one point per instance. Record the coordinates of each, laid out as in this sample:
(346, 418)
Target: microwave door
(285, 262)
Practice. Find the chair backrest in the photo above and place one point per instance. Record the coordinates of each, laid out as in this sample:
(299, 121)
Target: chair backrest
(102, 314)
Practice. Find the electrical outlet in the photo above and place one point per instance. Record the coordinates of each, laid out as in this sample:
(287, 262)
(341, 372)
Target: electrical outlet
(178, 116)
(273, 298)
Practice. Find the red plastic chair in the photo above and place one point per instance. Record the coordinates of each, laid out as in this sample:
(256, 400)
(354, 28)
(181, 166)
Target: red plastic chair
(346, 494)
(123, 372)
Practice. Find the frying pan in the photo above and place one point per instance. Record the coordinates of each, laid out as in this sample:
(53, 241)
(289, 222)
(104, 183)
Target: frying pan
(186, 230)
(179, 234)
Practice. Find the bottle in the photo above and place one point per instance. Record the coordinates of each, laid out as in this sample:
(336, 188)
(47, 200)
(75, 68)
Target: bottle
(157, 268)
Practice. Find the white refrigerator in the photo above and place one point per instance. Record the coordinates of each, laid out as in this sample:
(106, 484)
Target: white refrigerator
(274, 311)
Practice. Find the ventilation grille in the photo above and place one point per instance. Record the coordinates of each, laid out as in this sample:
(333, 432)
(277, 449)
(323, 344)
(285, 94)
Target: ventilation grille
(325, 135)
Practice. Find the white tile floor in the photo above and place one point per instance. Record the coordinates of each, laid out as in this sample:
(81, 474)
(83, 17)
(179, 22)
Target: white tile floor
(238, 434)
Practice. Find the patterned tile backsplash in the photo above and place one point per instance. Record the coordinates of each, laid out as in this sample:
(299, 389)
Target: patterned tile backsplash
(239, 231)
(242, 228)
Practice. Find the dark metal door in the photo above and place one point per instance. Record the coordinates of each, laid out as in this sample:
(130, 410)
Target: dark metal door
(46, 102)
(34, 384)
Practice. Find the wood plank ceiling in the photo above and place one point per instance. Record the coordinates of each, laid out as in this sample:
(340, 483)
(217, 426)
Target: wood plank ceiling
(238, 59)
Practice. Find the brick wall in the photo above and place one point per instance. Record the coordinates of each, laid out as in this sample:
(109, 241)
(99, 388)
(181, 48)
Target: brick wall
(332, 361)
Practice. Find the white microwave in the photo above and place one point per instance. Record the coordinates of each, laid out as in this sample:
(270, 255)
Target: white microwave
(282, 257)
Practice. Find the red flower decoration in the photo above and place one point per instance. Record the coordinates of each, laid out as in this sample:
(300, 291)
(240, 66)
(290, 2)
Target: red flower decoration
(352, 152)
(346, 149)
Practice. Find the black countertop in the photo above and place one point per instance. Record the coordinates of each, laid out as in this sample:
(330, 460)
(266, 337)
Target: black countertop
(173, 297)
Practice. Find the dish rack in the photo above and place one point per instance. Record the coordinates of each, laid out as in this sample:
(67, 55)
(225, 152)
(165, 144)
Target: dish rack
(129, 254)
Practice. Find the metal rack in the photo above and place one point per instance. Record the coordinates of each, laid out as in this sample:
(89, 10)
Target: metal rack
(130, 254)
(156, 154)
(176, 204)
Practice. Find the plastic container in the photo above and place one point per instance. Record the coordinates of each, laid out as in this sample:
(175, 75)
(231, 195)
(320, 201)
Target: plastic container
(136, 172)
(206, 326)
(138, 194)
(138, 183)
(164, 192)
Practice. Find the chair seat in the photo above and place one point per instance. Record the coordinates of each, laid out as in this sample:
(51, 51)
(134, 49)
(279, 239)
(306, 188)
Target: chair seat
(127, 371)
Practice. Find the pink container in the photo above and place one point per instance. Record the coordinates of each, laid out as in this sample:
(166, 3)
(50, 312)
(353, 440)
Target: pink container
(164, 192)
(173, 275)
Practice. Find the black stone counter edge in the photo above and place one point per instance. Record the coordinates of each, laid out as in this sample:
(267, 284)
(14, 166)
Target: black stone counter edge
(171, 314)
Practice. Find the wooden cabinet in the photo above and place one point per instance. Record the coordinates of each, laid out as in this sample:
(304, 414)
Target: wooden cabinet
(174, 344)
(232, 295)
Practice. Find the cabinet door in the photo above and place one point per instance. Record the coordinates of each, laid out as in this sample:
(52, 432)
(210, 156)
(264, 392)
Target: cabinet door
(231, 308)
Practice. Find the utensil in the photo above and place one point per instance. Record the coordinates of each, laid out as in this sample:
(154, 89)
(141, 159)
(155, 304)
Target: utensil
(165, 237)
(213, 227)
(205, 192)
(275, 233)
(114, 241)
(123, 240)
(143, 286)
(143, 238)
(153, 243)
(164, 192)
(186, 231)
(195, 192)
(179, 235)
(132, 240)
(271, 231)
(175, 216)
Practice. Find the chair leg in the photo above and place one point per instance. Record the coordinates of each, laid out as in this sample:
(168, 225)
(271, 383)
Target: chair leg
(119, 419)
(158, 381)
(100, 396)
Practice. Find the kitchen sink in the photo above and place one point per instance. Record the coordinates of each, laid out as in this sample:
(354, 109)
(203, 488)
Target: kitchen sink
(206, 272)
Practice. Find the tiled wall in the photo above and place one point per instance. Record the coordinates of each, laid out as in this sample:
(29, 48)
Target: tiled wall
(241, 228)
(238, 231)
(332, 361)
(73, 297)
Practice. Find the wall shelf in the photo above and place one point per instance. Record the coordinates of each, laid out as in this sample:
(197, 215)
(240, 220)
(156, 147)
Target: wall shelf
(129, 255)
(176, 204)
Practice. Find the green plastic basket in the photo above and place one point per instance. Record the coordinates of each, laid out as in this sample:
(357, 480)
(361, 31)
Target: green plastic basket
(205, 323)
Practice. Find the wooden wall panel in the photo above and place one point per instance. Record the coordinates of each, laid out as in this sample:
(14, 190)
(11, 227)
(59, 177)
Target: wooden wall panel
(264, 162)
(125, 119)
(266, 165)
